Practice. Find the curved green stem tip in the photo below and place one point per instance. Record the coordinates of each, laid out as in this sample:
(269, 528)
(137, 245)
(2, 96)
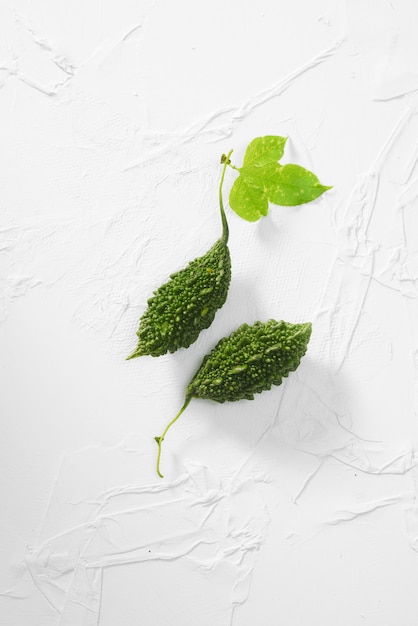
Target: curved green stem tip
(160, 439)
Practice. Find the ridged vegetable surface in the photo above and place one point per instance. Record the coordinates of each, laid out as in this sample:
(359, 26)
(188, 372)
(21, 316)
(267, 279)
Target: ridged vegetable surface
(249, 361)
(185, 305)
(181, 308)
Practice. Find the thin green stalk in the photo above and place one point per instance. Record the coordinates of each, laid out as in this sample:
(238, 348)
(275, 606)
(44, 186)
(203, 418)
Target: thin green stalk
(160, 439)
(225, 230)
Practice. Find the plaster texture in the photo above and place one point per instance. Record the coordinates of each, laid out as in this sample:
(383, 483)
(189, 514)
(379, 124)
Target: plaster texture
(297, 508)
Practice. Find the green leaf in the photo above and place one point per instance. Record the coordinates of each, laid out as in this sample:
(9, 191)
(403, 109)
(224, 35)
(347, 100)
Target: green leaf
(247, 200)
(286, 185)
(258, 175)
(264, 150)
(262, 180)
(291, 185)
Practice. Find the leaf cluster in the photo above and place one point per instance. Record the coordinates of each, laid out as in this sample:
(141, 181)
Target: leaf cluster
(262, 179)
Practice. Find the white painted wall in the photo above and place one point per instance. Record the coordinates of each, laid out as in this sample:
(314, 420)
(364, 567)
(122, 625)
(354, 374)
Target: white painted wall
(298, 508)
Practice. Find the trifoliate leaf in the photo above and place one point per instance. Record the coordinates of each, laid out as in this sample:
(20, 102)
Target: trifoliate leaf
(262, 150)
(247, 200)
(262, 180)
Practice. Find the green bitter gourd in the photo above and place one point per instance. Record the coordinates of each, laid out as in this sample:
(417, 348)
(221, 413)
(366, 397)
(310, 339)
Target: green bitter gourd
(249, 361)
(185, 305)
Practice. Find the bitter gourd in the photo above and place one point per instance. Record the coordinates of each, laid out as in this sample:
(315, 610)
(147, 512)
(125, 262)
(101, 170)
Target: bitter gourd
(185, 305)
(249, 361)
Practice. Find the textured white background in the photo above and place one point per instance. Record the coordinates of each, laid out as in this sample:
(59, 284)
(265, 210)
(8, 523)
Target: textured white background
(298, 508)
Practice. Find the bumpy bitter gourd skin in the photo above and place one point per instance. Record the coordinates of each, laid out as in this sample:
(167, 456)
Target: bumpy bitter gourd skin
(185, 305)
(250, 360)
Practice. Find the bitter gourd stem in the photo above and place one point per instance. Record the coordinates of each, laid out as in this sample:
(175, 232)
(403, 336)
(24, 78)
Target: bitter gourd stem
(159, 440)
(225, 229)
